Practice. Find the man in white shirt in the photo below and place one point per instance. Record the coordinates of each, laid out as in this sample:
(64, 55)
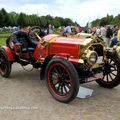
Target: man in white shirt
(67, 29)
(103, 34)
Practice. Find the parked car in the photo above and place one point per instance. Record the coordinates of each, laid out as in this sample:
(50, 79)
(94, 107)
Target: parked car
(65, 62)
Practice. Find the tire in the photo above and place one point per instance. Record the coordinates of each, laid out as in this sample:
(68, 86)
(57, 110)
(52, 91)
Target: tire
(5, 65)
(62, 80)
(111, 73)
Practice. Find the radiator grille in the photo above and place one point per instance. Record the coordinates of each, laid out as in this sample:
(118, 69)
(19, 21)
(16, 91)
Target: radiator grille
(98, 48)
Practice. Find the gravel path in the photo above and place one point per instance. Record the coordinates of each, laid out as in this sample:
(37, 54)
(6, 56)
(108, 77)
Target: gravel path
(24, 96)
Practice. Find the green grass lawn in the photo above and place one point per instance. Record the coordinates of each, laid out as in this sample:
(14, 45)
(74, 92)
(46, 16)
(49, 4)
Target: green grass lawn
(2, 41)
(5, 34)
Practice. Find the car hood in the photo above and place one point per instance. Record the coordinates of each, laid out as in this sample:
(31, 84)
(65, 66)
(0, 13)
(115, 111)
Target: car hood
(66, 40)
(83, 41)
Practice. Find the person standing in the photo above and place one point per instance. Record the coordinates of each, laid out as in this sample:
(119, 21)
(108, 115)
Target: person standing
(114, 40)
(115, 30)
(78, 29)
(98, 31)
(103, 33)
(109, 34)
(67, 30)
(94, 30)
(50, 29)
(118, 34)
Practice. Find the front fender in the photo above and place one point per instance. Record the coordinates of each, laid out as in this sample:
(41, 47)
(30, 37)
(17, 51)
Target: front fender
(8, 53)
(67, 57)
(61, 55)
(116, 50)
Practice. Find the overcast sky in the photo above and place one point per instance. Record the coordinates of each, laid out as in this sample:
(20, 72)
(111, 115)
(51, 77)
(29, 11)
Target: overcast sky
(81, 11)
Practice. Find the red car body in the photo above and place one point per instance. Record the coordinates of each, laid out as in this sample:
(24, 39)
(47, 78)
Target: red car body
(60, 46)
(65, 62)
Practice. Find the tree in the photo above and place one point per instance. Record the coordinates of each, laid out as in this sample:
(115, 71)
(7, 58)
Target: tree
(108, 20)
(116, 20)
(67, 21)
(22, 20)
(60, 20)
(56, 23)
(1, 19)
(4, 17)
(103, 22)
(43, 22)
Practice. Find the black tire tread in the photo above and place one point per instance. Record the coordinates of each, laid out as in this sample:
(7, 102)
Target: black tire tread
(113, 83)
(73, 73)
(9, 64)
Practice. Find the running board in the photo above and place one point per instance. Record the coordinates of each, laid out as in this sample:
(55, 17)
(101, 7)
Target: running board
(93, 78)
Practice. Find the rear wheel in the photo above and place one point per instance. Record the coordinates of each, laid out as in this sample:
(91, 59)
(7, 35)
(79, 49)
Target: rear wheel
(111, 73)
(5, 65)
(62, 80)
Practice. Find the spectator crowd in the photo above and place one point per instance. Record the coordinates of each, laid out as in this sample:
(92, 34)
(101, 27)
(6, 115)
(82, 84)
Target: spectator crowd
(110, 34)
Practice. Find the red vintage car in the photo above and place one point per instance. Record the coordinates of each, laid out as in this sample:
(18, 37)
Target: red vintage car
(65, 62)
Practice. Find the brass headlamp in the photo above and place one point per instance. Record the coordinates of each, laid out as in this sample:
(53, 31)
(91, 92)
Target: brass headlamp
(91, 57)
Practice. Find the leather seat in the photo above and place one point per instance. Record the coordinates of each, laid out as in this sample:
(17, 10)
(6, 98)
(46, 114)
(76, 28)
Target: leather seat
(24, 39)
(33, 42)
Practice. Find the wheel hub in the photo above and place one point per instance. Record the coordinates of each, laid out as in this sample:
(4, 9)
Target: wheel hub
(61, 79)
(107, 69)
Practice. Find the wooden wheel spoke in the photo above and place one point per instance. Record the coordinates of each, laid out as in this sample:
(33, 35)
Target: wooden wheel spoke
(111, 65)
(110, 60)
(114, 70)
(55, 69)
(67, 81)
(60, 80)
(67, 85)
(61, 89)
(103, 77)
(58, 88)
(111, 76)
(65, 89)
(107, 79)
(56, 83)
(111, 72)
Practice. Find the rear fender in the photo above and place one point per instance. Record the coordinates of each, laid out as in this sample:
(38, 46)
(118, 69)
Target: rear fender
(8, 53)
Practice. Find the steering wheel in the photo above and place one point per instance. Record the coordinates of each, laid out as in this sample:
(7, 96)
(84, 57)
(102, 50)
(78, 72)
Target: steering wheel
(34, 32)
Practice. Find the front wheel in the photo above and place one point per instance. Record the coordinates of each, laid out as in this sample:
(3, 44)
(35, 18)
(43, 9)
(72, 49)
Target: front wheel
(5, 65)
(111, 73)
(62, 80)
